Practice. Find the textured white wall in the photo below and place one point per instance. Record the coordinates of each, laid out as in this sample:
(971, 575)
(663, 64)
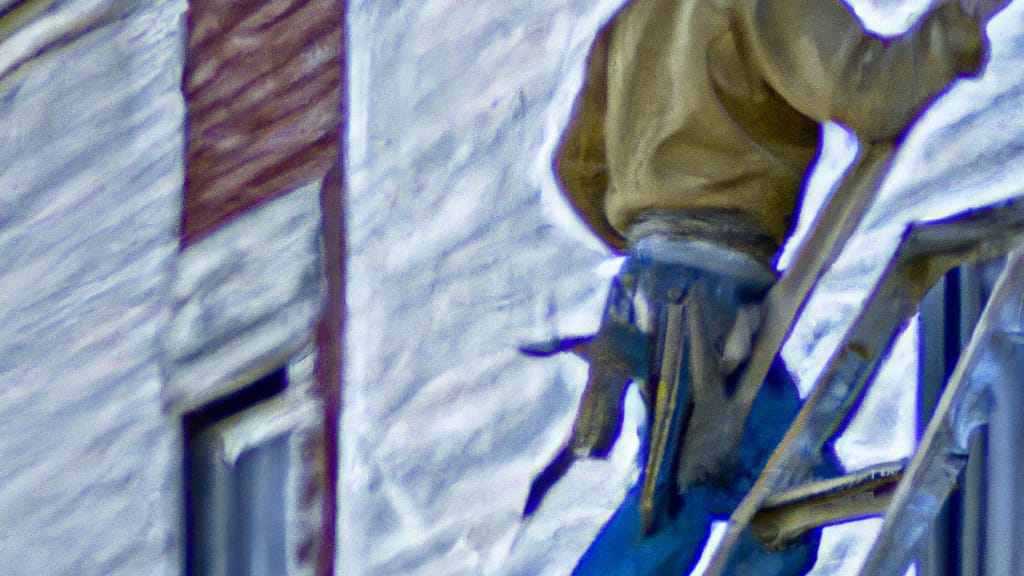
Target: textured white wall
(91, 140)
(456, 259)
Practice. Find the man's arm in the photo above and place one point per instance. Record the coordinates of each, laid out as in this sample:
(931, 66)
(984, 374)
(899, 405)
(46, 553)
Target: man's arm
(818, 56)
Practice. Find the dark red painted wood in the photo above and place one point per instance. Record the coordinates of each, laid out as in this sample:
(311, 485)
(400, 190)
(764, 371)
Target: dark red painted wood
(329, 346)
(263, 95)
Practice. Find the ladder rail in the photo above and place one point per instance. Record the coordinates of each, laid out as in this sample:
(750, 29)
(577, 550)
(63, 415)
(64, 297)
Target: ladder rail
(927, 250)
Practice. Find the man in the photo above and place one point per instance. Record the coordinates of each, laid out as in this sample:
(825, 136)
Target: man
(695, 128)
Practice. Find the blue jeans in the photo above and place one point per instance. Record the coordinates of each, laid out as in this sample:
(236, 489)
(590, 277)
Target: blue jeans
(621, 549)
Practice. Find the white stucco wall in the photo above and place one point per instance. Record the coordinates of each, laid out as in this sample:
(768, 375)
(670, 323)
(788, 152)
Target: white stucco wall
(91, 141)
(455, 260)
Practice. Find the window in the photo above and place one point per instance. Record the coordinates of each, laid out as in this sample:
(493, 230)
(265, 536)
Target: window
(978, 531)
(235, 495)
(242, 379)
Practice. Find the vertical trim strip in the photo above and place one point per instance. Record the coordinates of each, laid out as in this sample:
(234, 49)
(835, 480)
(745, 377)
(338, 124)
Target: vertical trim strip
(329, 334)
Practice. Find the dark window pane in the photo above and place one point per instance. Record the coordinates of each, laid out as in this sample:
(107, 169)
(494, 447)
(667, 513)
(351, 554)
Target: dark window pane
(258, 506)
(235, 510)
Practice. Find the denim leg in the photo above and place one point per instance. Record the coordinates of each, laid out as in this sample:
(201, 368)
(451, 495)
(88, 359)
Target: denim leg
(620, 548)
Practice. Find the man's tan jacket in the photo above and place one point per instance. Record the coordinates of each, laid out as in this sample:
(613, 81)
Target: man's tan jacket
(712, 107)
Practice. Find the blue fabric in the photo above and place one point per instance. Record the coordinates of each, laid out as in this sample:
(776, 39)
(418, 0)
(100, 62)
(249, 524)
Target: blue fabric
(620, 548)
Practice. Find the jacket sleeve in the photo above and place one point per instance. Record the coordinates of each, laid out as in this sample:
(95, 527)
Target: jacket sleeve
(816, 54)
(580, 163)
